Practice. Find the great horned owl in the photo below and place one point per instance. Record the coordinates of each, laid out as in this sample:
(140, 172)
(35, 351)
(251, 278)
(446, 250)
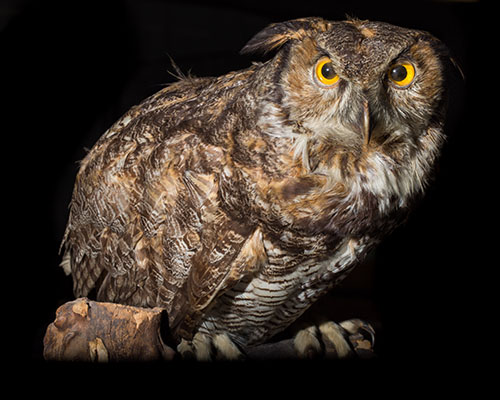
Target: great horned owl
(235, 202)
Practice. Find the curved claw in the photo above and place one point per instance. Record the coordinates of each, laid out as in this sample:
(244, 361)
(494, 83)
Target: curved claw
(361, 333)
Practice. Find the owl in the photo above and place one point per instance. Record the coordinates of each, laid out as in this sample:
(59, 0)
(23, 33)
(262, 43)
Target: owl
(235, 202)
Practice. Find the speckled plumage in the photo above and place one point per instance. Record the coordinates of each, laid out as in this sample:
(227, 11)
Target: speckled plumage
(237, 201)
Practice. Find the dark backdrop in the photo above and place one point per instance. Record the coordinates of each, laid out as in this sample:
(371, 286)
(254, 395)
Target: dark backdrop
(71, 68)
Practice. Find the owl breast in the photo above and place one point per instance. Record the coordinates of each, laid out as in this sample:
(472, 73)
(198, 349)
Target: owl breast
(259, 306)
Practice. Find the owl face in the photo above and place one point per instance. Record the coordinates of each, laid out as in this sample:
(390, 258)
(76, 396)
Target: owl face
(357, 83)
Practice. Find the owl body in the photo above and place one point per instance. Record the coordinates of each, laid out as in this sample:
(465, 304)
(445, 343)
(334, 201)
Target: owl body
(235, 202)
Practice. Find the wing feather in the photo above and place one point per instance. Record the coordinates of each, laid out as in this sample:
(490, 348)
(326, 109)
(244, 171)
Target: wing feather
(146, 225)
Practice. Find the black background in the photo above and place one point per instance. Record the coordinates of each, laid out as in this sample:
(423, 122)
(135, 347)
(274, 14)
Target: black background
(71, 68)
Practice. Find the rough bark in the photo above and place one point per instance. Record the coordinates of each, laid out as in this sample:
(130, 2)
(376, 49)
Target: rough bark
(86, 330)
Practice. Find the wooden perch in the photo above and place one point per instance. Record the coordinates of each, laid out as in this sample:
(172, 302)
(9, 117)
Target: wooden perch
(86, 330)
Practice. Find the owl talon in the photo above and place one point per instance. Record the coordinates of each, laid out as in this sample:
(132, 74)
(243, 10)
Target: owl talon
(332, 340)
(206, 347)
(226, 349)
(328, 340)
(336, 341)
(186, 350)
(307, 344)
(361, 333)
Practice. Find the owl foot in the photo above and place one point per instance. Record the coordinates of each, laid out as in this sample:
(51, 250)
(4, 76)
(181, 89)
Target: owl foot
(205, 347)
(332, 340)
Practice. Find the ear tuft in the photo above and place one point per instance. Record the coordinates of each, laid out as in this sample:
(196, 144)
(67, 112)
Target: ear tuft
(276, 35)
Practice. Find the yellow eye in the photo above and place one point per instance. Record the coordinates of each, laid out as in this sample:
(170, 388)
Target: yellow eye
(325, 73)
(401, 74)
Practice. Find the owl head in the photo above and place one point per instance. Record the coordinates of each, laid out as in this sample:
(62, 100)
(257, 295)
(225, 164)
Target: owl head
(357, 90)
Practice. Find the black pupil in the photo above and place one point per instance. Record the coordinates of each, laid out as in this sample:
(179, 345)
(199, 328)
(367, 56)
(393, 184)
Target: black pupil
(327, 71)
(398, 73)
